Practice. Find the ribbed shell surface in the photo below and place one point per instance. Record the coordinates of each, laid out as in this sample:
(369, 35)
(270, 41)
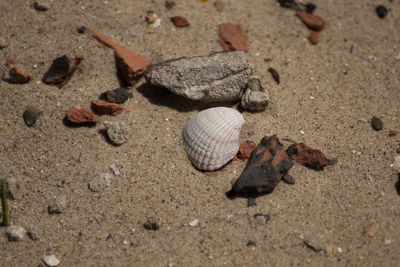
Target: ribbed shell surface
(211, 138)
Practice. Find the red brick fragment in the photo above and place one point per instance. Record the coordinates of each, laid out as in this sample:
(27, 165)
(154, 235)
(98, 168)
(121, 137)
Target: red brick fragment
(180, 21)
(312, 21)
(131, 66)
(245, 150)
(82, 115)
(393, 133)
(305, 155)
(313, 37)
(14, 74)
(103, 108)
(232, 38)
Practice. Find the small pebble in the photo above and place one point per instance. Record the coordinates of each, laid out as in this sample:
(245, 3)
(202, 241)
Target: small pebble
(81, 29)
(381, 11)
(15, 233)
(119, 95)
(288, 179)
(81, 116)
(314, 242)
(34, 233)
(117, 132)
(194, 223)
(262, 219)
(51, 260)
(31, 114)
(180, 21)
(275, 75)
(313, 37)
(376, 124)
(398, 150)
(310, 7)
(169, 4)
(251, 243)
(371, 230)
(151, 224)
(100, 182)
(396, 163)
(393, 133)
(42, 5)
(153, 19)
(219, 5)
(115, 169)
(58, 206)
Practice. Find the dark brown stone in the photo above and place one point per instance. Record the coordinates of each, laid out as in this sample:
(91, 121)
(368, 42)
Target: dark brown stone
(288, 179)
(130, 66)
(103, 108)
(265, 168)
(313, 37)
(82, 115)
(232, 38)
(376, 124)
(305, 155)
(393, 133)
(119, 95)
(275, 75)
(312, 21)
(61, 70)
(245, 150)
(14, 74)
(31, 114)
(180, 21)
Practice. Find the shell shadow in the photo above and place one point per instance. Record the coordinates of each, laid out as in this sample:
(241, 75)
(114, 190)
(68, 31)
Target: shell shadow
(162, 97)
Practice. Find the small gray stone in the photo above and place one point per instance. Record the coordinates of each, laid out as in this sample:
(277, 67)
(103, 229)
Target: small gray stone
(151, 224)
(219, 5)
(255, 98)
(215, 78)
(31, 114)
(117, 132)
(51, 260)
(58, 206)
(15, 233)
(34, 233)
(3, 42)
(314, 242)
(100, 182)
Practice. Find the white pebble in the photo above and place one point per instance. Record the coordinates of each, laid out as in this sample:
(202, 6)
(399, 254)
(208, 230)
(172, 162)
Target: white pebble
(51, 260)
(302, 132)
(194, 222)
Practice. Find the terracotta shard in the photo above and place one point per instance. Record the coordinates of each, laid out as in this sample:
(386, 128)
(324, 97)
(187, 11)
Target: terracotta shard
(130, 66)
(267, 165)
(393, 133)
(61, 70)
(245, 150)
(305, 155)
(313, 37)
(81, 115)
(232, 38)
(14, 74)
(312, 21)
(180, 21)
(103, 108)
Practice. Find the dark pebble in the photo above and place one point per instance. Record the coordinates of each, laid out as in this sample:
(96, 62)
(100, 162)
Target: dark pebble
(381, 11)
(119, 95)
(81, 29)
(31, 114)
(289, 4)
(288, 179)
(251, 202)
(251, 243)
(377, 124)
(151, 224)
(275, 75)
(310, 7)
(169, 4)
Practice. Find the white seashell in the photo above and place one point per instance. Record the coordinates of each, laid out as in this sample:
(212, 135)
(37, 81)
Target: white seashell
(211, 138)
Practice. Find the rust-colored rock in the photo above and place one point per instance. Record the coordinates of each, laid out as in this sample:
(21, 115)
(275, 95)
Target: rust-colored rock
(14, 74)
(81, 115)
(267, 165)
(130, 66)
(232, 38)
(313, 37)
(61, 70)
(312, 21)
(180, 21)
(245, 150)
(305, 155)
(393, 133)
(103, 108)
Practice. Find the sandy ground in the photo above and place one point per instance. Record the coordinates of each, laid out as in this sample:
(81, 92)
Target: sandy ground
(325, 91)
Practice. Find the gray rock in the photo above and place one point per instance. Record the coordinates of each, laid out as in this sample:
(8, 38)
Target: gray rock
(215, 78)
(100, 182)
(15, 233)
(51, 260)
(34, 233)
(117, 132)
(314, 242)
(255, 98)
(3, 42)
(31, 114)
(58, 206)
